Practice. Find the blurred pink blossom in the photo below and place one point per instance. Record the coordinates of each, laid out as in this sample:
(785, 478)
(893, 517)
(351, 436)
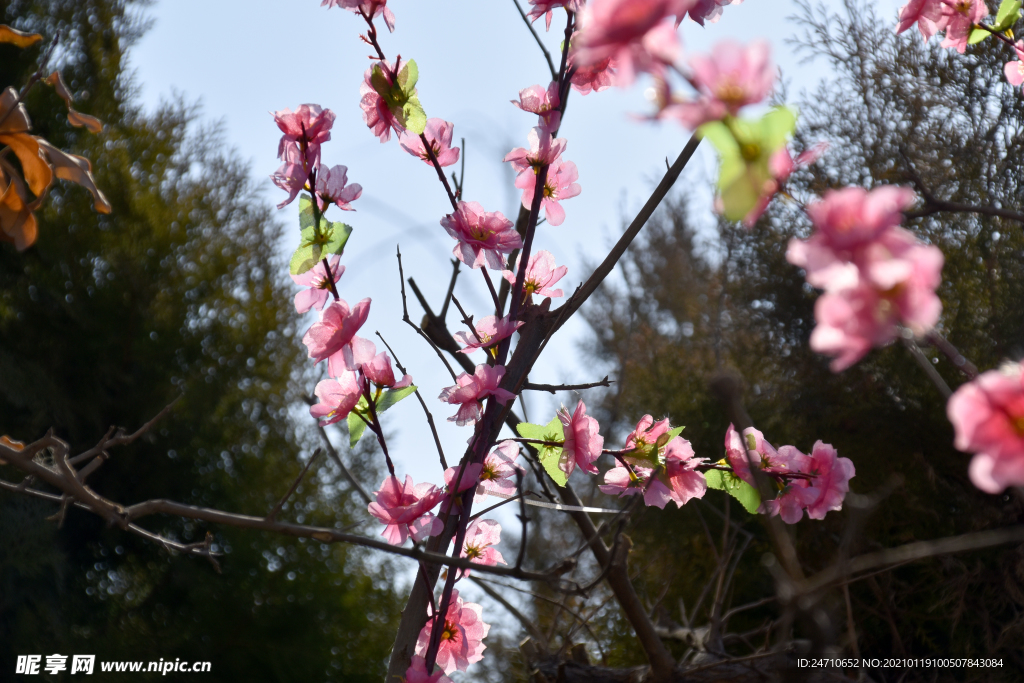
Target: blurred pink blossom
(732, 77)
(368, 8)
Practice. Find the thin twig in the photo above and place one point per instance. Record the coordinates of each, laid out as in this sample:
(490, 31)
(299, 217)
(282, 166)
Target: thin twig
(272, 515)
(554, 388)
(408, 321)
(540, 43)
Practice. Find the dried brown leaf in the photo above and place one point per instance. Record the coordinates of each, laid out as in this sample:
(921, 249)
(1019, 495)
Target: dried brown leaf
(18, 38)
(37, 172)
(76, 169)
(16, 121)
(76, 118)
(17, 224)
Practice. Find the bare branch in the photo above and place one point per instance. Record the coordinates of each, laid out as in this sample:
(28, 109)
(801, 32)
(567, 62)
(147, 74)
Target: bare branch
(298, 480)
(553, 388)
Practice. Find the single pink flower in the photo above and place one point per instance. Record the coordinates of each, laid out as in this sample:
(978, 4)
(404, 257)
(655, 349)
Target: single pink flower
(378, 370)
(781, 165)
(582, 444)
(483, 235)
(988, 416)
(319, 286)
(593, 77)
(470, 391)
(544, 8)
(1015, 69)
(852, 319)
(739, 451)
(680, 476)
(701, 10)
(544, 151)
(797, 494)
(959, 18)
(292, 175)
(376, 114)
(489, 331)
(629, 481)
(331, 188)
(367, 8)
(541, 274)
(927, 14)
(498, 474)
(732, 77)
(469, 478)
(439, 135)
(832, 476)
(417, 673)
(357, 353)
(481, 537)
(559, 183)
(328, 338)
(405, 510)
(648, 436)
(630, 32)
(462, 638)
(544, 103)
(337, 398)
(308, 127)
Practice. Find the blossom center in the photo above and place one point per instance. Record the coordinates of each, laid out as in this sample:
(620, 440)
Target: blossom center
(750, 152)
(730, 93)
(450, 632)
(1018, 424)
(473, 552)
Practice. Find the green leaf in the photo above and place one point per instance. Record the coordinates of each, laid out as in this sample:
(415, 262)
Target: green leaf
(977, 35)
(746, 494)
(549, 455)
(408, 76)
(393, 396)
(413, 117)
(721, 137)
(336, 235)
(304, 258)
(1008, 14)
(776, 127)
(356, 426)
(305, 211)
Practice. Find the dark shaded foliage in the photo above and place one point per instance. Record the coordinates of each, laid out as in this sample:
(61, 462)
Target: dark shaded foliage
(107, 319)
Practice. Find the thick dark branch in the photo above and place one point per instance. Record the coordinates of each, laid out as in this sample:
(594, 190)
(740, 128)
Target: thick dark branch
(423, 302)
(553, 388)
(528, 625)
(933, 205)
(602, 271)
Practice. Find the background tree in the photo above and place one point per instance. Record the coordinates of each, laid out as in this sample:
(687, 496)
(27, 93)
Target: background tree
(898, 112)
(108, 319)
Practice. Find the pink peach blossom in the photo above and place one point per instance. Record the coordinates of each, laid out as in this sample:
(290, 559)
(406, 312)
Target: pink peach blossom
(541, 274)
(417, 673)
(797, 494)
(483, 235)
(542, 102)
(647, 435)
(319, 286)
(331, 188)
(489, 331)
(1015, 69)
(544, 8)
(469, 477)
(405, 510)
(292, 175)
(308, 127)
(625, 481)
(328, 338)
(559, 183)
(988, 417)
(378, 370)
(676, 480)
(733, 77)
(439, 135)
(832, 476)
(582, 444)
(481, 537)
(631, 32)
(544, 150)
(739, 451)
(593, 77)
(958, 19)
(702, 10)
(852, 217)
(498, 474)
(462, 637)
(927, 14)
(367, 8)
(470, 391)
(376, 114)
(337, 398)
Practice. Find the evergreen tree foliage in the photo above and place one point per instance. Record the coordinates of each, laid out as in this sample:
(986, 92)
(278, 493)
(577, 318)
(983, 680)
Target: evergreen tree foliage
(179, 291)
